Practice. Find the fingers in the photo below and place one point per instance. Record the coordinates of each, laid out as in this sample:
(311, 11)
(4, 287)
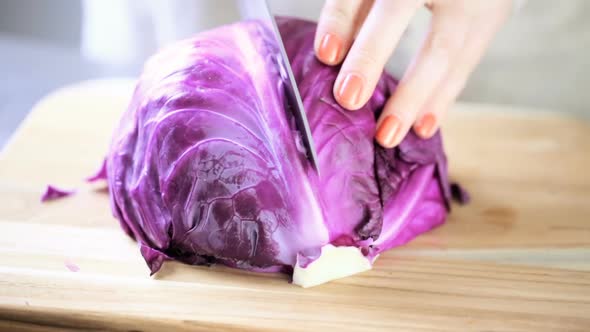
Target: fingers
(443, 44)
(376, 39)
(447, 91)
(338, 24)
(365, 32)
(449, 88)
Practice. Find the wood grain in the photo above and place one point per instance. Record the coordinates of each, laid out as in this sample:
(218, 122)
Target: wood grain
(531, 206)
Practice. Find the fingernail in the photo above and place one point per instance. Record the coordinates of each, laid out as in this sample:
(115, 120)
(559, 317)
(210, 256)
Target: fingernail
(329, 49)
(425, 125)
(350, 89)
(387, 132)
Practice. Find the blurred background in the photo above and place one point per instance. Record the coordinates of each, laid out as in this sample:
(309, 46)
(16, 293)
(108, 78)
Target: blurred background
(541, 59)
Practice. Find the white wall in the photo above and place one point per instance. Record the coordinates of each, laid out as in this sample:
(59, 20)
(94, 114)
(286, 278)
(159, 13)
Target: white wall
(53, 20)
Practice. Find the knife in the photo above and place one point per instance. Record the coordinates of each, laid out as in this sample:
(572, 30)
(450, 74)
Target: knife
(259, 10)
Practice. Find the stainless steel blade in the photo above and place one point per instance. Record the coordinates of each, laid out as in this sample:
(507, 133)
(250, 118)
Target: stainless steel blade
(259, 10)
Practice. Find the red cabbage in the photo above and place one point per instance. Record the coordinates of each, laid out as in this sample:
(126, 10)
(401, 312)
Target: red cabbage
(101, 173)
(53, 193)
(207, 167)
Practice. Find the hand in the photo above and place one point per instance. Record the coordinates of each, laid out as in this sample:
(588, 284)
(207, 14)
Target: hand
(362, 34)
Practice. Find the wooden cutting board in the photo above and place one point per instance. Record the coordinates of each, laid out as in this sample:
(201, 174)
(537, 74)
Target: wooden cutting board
(516, 259)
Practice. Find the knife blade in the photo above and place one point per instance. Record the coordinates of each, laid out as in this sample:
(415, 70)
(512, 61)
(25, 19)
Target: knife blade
(260, 10)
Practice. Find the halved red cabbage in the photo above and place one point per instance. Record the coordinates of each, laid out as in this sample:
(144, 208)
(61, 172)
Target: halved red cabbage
(207, 166)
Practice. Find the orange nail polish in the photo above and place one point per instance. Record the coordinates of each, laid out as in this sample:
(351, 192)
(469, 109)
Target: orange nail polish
(425, 126)
(329, 49)
(388, 130)
(350, 89)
